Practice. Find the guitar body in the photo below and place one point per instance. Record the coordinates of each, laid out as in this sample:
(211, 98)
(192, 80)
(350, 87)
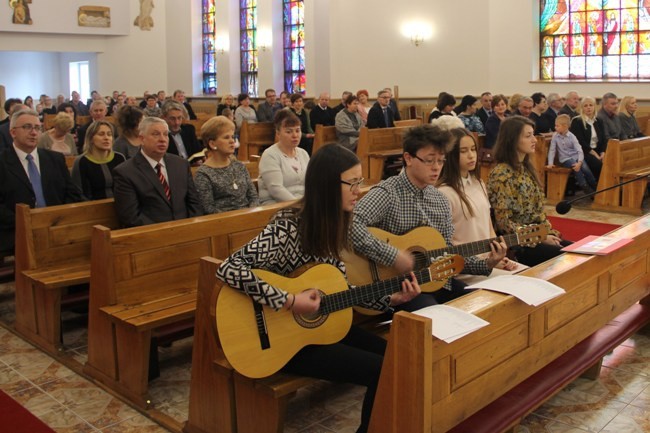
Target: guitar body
(238, 329)
(361, 271)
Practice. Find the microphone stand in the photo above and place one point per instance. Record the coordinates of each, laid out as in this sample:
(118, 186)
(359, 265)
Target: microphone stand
(565, 205)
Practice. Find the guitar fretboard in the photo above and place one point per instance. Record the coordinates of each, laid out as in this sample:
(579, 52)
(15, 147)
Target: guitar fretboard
(357, 295)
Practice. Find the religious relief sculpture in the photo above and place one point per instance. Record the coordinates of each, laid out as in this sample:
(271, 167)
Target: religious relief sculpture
(144, 20)
(94, 16)
(21, 11)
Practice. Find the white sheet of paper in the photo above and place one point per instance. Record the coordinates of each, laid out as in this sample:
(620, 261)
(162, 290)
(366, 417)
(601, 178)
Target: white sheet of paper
(533, 291)
(449, 323)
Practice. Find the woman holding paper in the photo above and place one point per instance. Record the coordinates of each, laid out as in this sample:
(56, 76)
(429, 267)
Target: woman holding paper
(515, 192)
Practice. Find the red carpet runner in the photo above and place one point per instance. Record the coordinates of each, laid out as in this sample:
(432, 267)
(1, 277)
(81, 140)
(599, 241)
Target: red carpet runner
(15, 418)
(574, 230)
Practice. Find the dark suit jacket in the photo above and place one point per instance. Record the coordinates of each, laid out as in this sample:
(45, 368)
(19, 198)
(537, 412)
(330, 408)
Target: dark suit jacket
(482, 114)
(188, 134)
(376, 117)
(567, 110)
(318, 116)
(140, 198)
(583, 134)
(15, 187)
(338, 108)
(393, 106)
(550, 115)
(5, 137)
(190, 110)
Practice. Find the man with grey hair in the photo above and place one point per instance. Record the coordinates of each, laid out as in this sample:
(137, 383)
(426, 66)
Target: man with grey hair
(525, 106)
(36, 177)
(154, 186)
(179, 96)
(608, 117)
(393, 104)
(571, 104)
(182, 136)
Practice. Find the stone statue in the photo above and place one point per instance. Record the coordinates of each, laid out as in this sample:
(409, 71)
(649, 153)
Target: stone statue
(144, 20)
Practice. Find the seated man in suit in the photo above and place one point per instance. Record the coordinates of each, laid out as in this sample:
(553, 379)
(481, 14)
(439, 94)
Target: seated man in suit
(5, 136)
(154, 186)
(182, 136)
(322, 114)
(179, 96)
(380, 114)
(486, 107)
(266, 110)
(37, 177)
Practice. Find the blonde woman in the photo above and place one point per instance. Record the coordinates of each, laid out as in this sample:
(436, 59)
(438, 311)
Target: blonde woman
(223, 183)
(93, 170)
(227, 101)
(626, 110)
(58, 138)
(588, 129)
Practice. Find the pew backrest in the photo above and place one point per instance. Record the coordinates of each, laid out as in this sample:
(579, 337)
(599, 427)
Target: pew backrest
(252, 137)
(322, 136)
(408, 122)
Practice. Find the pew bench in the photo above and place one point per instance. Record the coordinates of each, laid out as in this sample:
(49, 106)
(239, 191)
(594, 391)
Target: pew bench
(524, 351)
(143, 281)
(375, 147)
(509, 409)
(253, 137)
(53, 253)
(624, 160)
(323, 135)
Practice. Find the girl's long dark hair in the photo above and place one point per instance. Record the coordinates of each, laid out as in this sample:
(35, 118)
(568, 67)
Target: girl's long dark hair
(505, 149)
(451, 176)
(324, 225)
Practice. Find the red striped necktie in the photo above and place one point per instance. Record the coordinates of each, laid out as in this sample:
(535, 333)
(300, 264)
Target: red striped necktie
(163, 181)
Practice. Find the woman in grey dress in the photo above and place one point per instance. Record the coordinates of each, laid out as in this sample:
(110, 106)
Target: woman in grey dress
(223, 183)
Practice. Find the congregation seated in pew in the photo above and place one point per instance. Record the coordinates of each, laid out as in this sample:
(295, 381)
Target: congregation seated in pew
(266, 110)
(93, 170)
(284, 164)
(626, 113)
(307, 133)
(154, 186)
(322, 114)
(222, 182)
(588, 129)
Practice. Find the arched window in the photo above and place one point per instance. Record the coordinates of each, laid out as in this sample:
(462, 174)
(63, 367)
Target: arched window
(594, 39)
(248, 46)
(209, 54)
(293, 15)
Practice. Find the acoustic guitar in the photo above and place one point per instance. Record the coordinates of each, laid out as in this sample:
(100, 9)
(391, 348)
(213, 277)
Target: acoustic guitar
(426, 244)
(258, 341)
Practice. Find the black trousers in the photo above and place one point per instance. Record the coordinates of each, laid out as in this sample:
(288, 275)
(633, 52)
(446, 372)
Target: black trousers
(540, 253)
(355, 359)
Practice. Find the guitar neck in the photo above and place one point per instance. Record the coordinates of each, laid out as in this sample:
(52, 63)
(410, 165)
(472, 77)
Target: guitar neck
(358, 295)
(472, 248)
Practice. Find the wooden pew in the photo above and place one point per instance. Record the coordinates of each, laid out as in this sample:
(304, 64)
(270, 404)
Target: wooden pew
(408, 122)
(52, 253)
(254, 136)
(145, 278)
(322, 136)
(644, 124)
(556, 178)
(624, 160)
(82, 120)
(446, 383)
(375, 146)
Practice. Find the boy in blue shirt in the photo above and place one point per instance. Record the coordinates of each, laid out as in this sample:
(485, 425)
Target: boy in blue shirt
(570, 155)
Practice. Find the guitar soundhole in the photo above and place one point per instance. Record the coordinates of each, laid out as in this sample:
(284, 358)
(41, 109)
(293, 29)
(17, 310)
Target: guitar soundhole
(310, 321)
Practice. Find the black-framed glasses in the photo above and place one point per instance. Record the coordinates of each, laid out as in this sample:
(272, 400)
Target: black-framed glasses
(28, 127)
(354, 185)
(431, 162)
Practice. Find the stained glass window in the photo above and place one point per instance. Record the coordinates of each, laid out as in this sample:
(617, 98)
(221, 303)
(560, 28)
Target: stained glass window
(293, 14)
(594, 39)
(248, 46)
(209, 54)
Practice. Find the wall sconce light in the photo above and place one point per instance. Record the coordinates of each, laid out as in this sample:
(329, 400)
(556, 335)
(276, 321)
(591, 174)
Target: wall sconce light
(221, 44)
(417, 32)
(264, 39)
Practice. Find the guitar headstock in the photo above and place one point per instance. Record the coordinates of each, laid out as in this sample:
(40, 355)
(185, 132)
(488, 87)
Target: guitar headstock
(444, 267)
(530, 235)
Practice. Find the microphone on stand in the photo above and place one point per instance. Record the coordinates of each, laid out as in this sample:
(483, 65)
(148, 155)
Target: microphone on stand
(564, 206)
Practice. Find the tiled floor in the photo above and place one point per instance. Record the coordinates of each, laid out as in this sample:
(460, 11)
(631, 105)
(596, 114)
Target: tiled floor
(618, 402)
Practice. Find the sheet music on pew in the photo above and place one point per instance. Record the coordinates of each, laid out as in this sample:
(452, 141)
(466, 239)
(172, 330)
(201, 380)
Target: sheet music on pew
(449, 323)
(533, 291)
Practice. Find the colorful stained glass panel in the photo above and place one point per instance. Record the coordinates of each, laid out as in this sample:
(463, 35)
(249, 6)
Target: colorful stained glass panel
(209, 54)
(293, 15)
(248, 46)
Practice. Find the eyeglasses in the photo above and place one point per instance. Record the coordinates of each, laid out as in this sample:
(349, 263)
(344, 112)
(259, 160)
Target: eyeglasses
(354, 185)
(28, 127)
(430, 163)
